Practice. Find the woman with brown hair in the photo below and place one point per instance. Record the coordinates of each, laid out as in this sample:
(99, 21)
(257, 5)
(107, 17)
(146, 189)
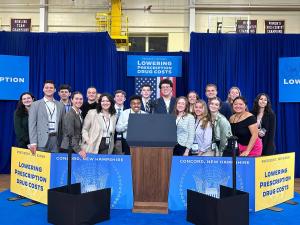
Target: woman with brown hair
(244, 127)
(185, 123)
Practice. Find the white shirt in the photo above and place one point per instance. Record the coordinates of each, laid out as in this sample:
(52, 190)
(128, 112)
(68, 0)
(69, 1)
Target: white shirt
(122, 124)
(51, 112)
(145, 102)
(167, 102)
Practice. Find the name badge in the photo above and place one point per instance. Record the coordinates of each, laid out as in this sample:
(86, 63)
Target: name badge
(195, 147)
(107, 140)
(51, 125)
(214, 146)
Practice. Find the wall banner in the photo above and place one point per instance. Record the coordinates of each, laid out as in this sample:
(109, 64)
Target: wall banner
(154, 66)
(14, 76)
(289, 79)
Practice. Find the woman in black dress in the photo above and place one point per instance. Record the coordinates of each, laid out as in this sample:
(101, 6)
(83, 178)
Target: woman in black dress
(21, 119)
(266, 122)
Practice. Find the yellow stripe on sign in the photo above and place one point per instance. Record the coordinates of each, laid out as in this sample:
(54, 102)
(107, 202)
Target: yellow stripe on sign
(274, 180)
(30, 174)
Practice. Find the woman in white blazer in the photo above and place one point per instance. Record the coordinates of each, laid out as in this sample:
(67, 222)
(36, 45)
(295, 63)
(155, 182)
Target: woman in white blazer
(99, 127)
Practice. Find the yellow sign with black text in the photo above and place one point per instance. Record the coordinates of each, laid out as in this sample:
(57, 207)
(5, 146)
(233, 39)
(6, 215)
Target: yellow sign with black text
(30, 174)
(274, 180)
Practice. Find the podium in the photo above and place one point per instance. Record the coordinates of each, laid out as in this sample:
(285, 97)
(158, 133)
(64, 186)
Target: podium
(151, 138)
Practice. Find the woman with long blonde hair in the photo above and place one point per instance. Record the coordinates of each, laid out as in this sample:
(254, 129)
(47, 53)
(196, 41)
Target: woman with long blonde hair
(203, 130)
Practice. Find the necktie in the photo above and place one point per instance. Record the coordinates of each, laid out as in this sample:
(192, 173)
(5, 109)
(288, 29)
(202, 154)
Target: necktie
(148, 107)
(118, 113)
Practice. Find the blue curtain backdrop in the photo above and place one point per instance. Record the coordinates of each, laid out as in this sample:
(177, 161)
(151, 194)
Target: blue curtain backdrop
(251, 63)
(84, 59)
(79, 59)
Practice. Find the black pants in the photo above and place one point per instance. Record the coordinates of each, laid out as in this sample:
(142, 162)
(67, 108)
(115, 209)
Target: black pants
(179, 150)
(62, 150)
(125, 147)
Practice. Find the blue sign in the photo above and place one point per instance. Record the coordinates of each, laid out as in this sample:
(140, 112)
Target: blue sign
(96, 172)
(154, 66)
(289, 79)
(205, 175)
(14, 76)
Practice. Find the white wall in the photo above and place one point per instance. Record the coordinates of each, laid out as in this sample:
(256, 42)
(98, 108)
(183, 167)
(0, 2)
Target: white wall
(170, 17)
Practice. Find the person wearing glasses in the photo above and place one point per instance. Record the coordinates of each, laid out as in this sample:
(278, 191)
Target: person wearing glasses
(166, 103)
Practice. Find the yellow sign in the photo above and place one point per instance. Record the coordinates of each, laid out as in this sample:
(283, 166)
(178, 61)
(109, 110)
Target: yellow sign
(274, 180)
(30, 174)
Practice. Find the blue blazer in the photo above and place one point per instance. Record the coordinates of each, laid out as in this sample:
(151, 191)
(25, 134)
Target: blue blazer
(160, 106)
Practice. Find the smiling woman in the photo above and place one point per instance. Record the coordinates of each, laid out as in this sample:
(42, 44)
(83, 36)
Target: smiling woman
(266, 122)
(185, 127)
(99, 127)
(244, 127)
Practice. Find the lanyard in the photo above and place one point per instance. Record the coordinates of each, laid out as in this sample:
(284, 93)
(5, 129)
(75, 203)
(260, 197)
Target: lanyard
(197, 124)
(107, 127)
(48, 109)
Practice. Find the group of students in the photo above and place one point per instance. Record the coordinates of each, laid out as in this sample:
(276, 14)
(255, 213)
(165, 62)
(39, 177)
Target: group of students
(99, 125)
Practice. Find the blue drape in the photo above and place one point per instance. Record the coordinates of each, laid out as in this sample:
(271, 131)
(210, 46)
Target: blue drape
(79, 59)
(251, 63)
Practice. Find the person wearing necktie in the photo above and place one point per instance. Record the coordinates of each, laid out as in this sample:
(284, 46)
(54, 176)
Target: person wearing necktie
(147, 103)
(72, 126)
(120, 98)
(122, 124)
(64, 93)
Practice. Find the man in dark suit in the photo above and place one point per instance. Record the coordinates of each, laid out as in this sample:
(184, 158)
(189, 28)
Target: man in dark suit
(64, 92)
(211, 92)
(147, 103)
(166, 103)
(45, 121)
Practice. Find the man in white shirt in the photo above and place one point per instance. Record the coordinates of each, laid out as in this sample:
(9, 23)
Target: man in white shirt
(122, 124)
(120, 98)
(45, 121)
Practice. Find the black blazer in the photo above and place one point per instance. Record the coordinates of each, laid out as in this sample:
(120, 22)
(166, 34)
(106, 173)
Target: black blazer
(21, 129)
(268, 122)
(160, 106)
(72, 126)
